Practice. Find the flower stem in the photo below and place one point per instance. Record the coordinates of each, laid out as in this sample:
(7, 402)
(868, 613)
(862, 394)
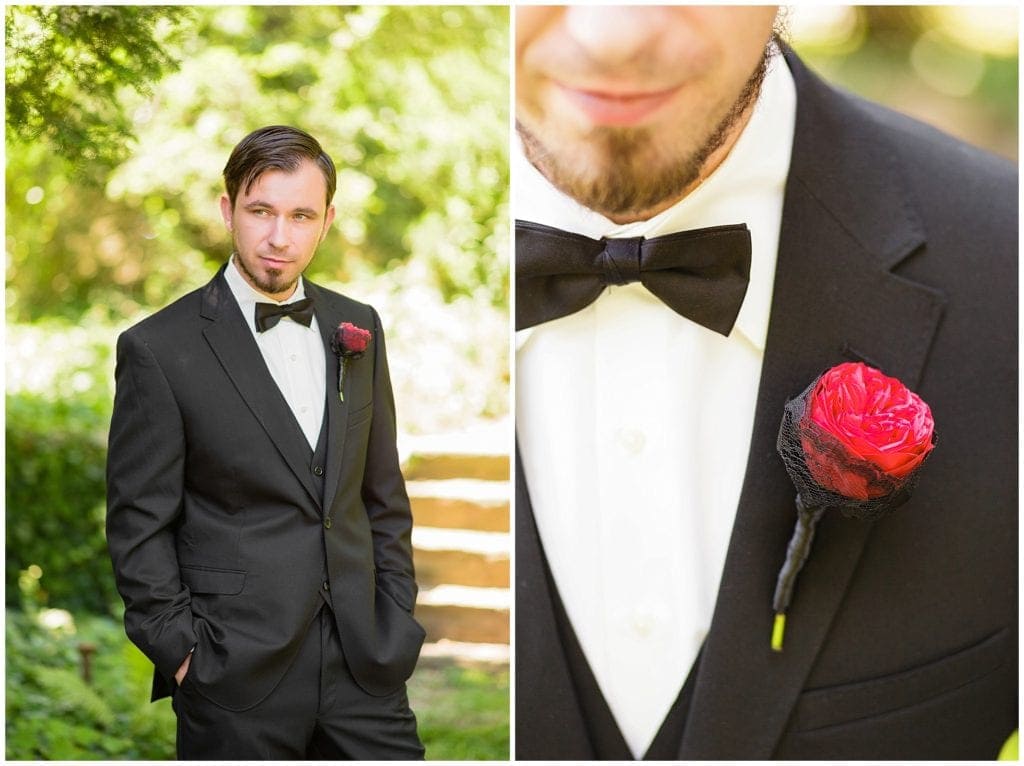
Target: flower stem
(796, 556)
(778, 630)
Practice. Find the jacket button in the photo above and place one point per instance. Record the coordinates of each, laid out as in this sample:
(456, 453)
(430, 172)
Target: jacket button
(318, 470)
(327, 585)
(327, 522)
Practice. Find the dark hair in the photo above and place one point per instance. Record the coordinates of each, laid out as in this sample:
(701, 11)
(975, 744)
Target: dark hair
(275, 147)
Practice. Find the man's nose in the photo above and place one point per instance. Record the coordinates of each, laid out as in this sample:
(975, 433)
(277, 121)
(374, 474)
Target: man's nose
(614, 35)
(279, 233)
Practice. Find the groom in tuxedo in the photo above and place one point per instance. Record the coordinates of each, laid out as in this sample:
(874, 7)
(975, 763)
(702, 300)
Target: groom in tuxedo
(653, 511)
(257, 517)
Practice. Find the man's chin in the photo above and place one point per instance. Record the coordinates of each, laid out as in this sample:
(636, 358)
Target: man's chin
(612, 175)
(274, 282)
(278, 286)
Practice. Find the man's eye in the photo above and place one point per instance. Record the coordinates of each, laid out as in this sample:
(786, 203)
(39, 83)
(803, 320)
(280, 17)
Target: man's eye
(261, 213)
(301, 217)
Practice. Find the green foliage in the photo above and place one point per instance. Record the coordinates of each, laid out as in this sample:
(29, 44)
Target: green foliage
(55, 491)
(55, 455)
(1010, 750)
(53, 714)
(66, 69)
(463, 713)
(953, 66)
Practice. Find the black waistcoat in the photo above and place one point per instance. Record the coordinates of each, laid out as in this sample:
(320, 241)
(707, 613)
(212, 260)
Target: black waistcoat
(317, 459)
(601, 729)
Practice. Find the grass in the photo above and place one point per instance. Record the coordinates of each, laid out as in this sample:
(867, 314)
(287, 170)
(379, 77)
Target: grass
(52, 714)
(463, 712)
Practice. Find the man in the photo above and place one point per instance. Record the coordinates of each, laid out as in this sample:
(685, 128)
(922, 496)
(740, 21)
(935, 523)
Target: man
(653, 511)
(257, 516)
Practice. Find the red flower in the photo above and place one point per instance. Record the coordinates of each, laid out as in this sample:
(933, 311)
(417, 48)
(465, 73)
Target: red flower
(864, 432)
(350, 341)
(852, 441)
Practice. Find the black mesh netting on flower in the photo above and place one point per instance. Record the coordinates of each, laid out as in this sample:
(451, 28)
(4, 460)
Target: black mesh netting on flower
(816, 460)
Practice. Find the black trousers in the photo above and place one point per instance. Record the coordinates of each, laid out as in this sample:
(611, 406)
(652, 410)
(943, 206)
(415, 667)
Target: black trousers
(316, 712)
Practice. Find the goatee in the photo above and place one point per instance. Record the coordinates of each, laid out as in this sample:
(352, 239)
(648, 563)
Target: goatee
(269, 286)
(636, 174)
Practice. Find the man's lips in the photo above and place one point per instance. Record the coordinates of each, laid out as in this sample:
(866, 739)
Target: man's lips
(613, 108)
(273, 261)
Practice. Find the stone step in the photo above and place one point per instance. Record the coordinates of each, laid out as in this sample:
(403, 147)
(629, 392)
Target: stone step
(458, 485)
(456, 466)
(460, 557)
(446, 651)
(480, 452)
(464, 614)
(460, 504)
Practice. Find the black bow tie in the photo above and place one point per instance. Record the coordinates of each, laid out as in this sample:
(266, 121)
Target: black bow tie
(269, 314)
(701, 274)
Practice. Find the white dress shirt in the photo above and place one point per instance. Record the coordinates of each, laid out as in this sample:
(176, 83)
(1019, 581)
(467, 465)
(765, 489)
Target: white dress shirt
(294, 353)
(635, 424)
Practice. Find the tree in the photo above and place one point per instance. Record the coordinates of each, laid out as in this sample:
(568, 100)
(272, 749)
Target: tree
(68, 65)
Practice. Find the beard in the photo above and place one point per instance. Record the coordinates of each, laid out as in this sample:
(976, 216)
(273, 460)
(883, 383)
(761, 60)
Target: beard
(631, 172)
(272, 283)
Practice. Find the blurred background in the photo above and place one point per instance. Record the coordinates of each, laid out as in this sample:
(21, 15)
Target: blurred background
(954, 67)
(119, 121)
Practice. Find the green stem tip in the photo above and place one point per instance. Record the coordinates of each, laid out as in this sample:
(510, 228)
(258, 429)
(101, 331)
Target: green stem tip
(778, 630)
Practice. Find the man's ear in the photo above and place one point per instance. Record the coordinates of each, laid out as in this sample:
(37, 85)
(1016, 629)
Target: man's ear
(225, 210)
(328, 220)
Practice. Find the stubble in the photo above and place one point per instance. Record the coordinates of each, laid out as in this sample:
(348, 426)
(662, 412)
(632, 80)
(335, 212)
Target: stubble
(635, 174)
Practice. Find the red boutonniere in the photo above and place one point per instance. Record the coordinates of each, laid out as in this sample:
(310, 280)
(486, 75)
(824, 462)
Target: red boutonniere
(348, 342)
(853, 440)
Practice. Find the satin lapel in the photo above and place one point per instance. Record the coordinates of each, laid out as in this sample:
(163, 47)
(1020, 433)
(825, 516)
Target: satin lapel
(232, 342)
(337, 411)
(846, 225)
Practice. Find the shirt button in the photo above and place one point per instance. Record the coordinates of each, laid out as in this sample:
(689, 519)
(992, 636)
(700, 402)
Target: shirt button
(642, 626)
(630, 440)
(303, 409)
(327, 522)
(318, 470)
(642, 622)
(294, 358)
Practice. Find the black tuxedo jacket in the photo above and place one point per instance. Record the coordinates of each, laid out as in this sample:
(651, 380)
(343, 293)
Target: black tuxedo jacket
(216, 527)
(898, 247)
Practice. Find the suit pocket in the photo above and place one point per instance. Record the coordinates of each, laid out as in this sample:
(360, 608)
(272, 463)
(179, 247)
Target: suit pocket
(399, 587)
(849, 703)
(404, 615)
(227, 582)
(356, 417)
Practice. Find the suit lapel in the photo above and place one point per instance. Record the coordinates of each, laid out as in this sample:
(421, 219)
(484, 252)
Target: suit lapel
(846, 226)
(328, 318)
(232, 342)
